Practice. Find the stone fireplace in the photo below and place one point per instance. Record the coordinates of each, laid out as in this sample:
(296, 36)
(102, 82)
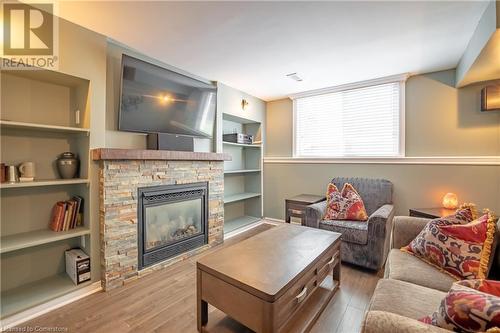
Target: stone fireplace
(172, 219)
(156, 208)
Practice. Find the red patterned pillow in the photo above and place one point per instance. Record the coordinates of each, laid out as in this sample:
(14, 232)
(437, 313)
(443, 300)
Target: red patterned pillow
(459, 247)
(345, 205)
(469, 306)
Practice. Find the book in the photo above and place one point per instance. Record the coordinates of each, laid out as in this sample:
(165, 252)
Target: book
(67, 215)
(70, 210)
(78, 211)
(57, 214)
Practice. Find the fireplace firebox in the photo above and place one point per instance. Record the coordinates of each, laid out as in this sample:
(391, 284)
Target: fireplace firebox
(172, 219)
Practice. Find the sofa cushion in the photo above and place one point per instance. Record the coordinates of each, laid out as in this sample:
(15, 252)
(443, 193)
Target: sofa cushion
(469, 306)
(374, 192)
(405, 267)
(405, 299)
(352, 231)
(462, 250)
(345, 205)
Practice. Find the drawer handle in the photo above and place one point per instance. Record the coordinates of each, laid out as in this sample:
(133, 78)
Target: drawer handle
(331, 261)
(300, 297)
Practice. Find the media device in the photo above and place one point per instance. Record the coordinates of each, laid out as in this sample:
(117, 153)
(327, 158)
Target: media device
(238, 138)
(158, 100)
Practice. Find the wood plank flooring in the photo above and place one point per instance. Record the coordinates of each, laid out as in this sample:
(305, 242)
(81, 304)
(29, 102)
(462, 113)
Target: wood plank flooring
(165, 302)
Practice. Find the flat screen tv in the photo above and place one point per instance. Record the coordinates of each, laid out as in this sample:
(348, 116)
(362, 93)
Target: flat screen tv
(158, 100)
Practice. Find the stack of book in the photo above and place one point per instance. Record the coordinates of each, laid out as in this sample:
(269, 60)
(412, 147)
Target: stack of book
(67, 215)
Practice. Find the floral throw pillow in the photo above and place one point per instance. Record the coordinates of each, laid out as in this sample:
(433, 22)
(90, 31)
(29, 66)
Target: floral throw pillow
(345, 205)
(457, 246)
(469, 306)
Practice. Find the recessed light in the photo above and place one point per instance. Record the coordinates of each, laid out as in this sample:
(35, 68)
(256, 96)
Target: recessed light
(294, 76)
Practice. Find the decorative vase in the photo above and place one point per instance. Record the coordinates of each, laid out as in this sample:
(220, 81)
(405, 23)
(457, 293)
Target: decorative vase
(67, 165)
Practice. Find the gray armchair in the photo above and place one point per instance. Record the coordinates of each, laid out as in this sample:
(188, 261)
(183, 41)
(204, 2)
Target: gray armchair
(363, 243)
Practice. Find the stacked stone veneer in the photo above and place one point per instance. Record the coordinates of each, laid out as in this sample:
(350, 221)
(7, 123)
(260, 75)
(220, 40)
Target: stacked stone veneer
(119, 180)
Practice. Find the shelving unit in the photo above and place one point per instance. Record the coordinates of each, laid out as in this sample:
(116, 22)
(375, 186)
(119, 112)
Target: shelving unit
(239, 197)
(5, 124)
(242, 175)
(37, 292)
(241, 171)
(44, 113)
(28, 239)
(45, 182)
(241, 145)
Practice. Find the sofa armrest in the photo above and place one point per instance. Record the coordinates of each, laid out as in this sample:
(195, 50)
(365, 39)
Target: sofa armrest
(386, 322)
(405, 229)
(315, 213)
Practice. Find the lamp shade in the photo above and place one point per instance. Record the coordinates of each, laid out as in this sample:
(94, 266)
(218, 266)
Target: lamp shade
(450, 201)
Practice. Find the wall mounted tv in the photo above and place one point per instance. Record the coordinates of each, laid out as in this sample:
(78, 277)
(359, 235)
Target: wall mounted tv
(158, 100)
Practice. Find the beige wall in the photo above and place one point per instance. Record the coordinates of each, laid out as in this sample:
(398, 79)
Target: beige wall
(444, 121)
(440, 121)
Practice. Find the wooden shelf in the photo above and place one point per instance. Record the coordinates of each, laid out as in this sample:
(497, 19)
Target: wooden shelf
(45, 182)
(38, 237)
(241, 145)
(241, 171)
(233, 224)
(35, 293)
(44, 128)
(240, 197)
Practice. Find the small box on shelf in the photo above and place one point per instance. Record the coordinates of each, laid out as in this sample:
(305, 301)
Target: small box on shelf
(77, 266)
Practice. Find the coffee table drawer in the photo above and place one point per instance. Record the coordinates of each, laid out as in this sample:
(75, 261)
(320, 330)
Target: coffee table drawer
(295, 297)
(326, 263)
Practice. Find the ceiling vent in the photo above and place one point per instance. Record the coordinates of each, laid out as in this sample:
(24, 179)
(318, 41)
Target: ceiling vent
(294, 76)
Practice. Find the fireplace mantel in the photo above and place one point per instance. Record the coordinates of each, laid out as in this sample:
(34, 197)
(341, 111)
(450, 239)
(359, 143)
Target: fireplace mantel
(166, 155)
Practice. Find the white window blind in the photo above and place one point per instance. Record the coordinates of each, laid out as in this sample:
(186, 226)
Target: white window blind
(359, 122)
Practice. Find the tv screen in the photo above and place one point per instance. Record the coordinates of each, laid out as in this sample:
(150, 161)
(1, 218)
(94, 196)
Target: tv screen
(158, 100)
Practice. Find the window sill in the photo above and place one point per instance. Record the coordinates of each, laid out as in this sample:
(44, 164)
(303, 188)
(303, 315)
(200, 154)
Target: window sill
(436, 160)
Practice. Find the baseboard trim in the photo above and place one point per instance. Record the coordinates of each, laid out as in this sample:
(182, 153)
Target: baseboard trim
(36, 311)
(431, 160)
(273, 221)
(243, 229)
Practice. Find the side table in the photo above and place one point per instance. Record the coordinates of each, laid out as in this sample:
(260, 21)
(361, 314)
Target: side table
(296, 206)
(431, 213)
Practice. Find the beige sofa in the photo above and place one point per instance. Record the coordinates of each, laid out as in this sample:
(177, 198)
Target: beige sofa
(411, 289)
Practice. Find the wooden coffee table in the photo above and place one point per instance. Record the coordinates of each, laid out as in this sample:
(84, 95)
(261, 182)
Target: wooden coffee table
(277, 281)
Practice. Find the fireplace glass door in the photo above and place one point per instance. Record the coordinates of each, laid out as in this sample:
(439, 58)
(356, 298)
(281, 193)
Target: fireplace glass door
(172, 219)
(170, 222)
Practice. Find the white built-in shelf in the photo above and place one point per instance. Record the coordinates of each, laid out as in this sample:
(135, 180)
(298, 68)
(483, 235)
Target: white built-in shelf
(41, 127)
(241, 144)
(34, 238)
(239, 222)
(240, 197)
(38, 292)
(241, 171)
(45, 182)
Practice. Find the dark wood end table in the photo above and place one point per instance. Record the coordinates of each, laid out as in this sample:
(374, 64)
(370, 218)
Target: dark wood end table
(296, 206)
(431, 213)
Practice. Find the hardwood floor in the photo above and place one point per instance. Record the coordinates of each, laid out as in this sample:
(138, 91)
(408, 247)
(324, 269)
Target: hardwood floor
(165, 302)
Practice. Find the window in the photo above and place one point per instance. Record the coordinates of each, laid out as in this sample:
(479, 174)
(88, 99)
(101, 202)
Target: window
(352, 122)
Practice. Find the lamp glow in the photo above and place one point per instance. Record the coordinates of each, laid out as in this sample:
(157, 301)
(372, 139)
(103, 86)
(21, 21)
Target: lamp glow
(450, 201)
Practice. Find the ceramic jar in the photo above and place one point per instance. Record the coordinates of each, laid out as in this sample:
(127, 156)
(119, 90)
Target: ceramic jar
(68, 165)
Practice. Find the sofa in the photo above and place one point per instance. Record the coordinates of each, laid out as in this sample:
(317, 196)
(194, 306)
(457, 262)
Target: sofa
(364, 244)
(411, 289)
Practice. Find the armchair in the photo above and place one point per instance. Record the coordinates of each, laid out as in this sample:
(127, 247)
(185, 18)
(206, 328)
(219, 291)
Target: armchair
(363, 243)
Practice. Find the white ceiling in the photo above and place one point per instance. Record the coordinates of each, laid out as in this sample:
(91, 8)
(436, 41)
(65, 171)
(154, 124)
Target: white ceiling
(251, 46)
